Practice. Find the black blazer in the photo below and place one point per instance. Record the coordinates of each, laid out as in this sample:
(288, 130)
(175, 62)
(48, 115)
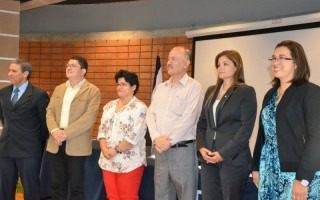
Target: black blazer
(24, 125)
(298, 130)
(235, 117)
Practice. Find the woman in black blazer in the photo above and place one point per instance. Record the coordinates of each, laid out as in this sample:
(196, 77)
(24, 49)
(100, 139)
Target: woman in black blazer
(286, 156)
(224, 129)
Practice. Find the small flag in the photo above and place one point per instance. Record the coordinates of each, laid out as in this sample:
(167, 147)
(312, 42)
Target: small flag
(158, 74)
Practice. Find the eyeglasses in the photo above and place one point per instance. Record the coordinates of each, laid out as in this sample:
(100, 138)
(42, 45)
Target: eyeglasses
(71, 65)
(280, 59)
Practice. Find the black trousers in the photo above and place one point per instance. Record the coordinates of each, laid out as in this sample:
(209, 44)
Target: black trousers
(67, 175)
(28, 169)
(223, 181)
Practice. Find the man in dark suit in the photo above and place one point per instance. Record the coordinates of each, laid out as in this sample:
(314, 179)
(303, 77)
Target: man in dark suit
(23, 115)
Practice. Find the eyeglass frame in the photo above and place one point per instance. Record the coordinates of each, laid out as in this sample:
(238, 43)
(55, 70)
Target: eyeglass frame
(73, 66)
(280, 59)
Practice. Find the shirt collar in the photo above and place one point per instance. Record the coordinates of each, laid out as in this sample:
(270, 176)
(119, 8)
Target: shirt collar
(134, 98)
(183, 81)
(79, 85)
(22, 87)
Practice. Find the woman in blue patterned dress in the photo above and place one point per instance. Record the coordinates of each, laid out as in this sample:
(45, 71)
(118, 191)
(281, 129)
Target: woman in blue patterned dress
(286, 161)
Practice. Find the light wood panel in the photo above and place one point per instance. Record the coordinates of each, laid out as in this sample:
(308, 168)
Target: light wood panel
(4, 65)
(12, 6)
(37, 3)
(9, 36)
(11, 26)
(9, 47)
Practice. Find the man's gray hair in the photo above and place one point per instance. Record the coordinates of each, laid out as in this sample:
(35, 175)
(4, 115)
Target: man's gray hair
(24, 66)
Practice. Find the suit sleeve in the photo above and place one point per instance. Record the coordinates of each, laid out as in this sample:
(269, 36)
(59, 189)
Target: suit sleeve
(310, 161)
(258, 147)
(202, 123)
(51, 112)
(1, 114)
(42, 105)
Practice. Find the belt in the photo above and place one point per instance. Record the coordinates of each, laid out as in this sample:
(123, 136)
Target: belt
(182, 143)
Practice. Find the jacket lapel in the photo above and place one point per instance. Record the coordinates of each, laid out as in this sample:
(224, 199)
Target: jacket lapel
(61, 94)
(82, 89)
(210, 110)
(223, 100)
(7, 94)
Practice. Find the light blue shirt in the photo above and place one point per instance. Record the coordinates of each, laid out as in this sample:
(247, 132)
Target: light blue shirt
(22, 89)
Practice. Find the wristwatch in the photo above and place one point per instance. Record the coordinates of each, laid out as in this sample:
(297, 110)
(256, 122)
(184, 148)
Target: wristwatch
(117, 149)
(304, 182)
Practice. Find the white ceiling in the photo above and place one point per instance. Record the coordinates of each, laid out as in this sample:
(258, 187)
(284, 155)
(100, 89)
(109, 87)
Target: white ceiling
(158, 14)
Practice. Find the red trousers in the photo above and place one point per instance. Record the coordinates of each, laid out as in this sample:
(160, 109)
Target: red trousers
(123, 186)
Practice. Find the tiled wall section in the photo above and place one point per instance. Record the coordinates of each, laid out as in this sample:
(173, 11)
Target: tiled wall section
(105, 58)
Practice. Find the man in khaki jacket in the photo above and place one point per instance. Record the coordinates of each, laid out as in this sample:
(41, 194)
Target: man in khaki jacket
(71, 115)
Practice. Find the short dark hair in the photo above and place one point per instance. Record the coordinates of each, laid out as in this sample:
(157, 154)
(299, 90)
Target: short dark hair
(82, 62)
(24, 66)
(129, 77)
(302, 72)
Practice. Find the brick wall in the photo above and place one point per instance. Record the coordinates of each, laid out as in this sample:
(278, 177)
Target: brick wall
(105, 57)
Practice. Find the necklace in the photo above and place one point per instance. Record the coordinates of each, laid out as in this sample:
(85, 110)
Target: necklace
(221, 92)
(281, 90)
(279, 95)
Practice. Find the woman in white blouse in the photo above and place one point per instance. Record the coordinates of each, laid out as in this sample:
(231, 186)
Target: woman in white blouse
(122, 142)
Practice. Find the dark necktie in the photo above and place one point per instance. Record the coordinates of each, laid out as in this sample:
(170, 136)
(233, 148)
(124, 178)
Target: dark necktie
(15, 97)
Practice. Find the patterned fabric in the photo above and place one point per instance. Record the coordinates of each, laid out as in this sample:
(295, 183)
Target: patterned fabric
(273, 183)
(128, 124)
